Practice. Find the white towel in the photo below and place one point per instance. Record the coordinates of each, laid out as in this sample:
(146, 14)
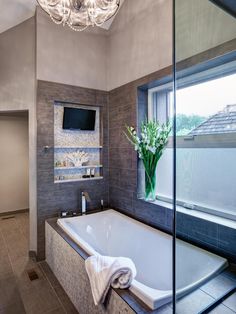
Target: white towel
(106, 271)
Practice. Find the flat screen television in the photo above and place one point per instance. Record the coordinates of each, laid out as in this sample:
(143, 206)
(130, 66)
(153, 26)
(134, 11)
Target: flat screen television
(79, 119)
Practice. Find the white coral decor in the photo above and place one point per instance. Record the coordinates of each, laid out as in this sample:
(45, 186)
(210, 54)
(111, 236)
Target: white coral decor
(78, 158)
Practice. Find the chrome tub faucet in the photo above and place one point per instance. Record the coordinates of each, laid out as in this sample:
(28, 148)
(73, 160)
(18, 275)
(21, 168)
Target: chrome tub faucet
(85, 199)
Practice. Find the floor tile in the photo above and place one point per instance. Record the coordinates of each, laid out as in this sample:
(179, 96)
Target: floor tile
(2, 243)
(22, 264)
(5, 265)
(14, 308)
(221, 309)
(193, 302)
(231, 302)
(9, 293)
(57, 311)
(218, 286)
(40, 298)
(19, 251)
(36, 297)
(165, 310)
(65, 301)
(22, 222)
(49, 274)
(7, 226)
(21, 270)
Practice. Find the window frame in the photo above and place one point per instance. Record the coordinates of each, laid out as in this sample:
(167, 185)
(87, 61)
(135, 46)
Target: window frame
(223, 140)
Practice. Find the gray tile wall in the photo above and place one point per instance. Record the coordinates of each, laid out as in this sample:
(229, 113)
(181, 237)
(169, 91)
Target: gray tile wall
(127, 104)
(217, 238)
(54, 197)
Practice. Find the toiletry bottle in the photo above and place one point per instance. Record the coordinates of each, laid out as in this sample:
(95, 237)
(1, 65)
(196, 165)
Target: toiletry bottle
(92, 173)
(88, 173)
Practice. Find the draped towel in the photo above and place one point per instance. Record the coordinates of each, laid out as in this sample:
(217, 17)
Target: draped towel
(106, 271)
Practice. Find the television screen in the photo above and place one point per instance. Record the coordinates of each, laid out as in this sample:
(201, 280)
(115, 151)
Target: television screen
(79, 119)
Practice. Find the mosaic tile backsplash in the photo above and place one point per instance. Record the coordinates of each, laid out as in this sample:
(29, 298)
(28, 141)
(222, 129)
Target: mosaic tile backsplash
(73, 138)
(68, 142)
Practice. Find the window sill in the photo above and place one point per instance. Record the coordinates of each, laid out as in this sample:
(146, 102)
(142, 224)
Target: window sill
(208, 217)
(199, 214)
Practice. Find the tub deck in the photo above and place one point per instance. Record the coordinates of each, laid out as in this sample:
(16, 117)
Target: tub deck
(114, 234)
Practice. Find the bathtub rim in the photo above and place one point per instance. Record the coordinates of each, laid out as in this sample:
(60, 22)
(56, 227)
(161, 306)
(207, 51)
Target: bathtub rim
(136, 304)
(146, 294)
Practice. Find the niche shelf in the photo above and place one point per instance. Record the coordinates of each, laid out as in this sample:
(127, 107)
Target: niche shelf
(68, 142)
(78, 147)
(78, 180)
(81, 167)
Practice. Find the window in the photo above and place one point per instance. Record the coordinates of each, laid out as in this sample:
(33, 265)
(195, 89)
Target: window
(206, 141)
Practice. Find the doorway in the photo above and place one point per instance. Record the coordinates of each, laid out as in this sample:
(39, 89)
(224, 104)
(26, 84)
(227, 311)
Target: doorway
(14, 162)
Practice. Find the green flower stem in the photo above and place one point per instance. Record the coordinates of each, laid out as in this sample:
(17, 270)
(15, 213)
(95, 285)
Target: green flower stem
(149, 145)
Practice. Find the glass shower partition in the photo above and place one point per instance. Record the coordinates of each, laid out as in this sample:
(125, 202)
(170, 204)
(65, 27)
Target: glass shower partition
(205, 171)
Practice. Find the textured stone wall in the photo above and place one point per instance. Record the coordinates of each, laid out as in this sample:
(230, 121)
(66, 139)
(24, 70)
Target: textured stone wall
(64, 140)
(69, 268)
(73, 138)
(54, 197)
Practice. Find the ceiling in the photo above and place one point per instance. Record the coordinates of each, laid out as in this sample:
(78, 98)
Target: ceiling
(14, 12)
(227, 5)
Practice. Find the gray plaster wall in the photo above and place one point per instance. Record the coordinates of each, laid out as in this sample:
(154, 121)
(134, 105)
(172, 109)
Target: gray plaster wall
(140, 38)
(201, 25)
(140, 41)
(17, 67)
(14, 162)
(69, 57)
(17, 93)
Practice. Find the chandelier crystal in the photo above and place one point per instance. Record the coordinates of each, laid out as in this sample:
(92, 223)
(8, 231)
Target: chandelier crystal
(80, 14)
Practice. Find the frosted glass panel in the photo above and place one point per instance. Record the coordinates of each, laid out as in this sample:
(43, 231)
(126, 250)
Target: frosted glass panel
(206, 177)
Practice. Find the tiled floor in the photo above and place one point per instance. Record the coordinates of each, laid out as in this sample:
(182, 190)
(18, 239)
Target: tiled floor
(206, 294)
(199, 299)
(18, 294)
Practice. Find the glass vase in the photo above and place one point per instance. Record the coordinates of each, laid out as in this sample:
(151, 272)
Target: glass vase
(150, 186)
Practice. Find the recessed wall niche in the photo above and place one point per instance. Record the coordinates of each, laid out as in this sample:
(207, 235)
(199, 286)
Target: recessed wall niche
(77, 153)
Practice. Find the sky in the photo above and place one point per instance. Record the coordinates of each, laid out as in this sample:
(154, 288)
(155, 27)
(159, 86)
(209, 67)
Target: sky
(207, 98)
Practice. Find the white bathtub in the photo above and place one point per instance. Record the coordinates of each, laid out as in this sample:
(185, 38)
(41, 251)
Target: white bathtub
(114, 234)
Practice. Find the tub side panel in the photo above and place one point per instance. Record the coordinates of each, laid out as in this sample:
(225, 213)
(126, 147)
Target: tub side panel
(69, 268)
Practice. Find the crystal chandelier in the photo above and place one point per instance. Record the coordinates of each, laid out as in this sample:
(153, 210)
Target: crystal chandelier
(80, 14)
